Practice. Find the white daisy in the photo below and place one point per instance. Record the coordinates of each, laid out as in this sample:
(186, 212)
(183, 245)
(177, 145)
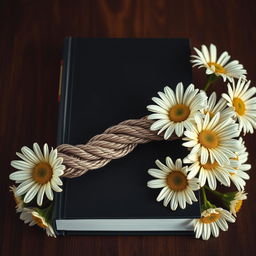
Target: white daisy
(38, 173)
(213, 107)
(211, 139)
(41, 222)
(32, 217)
(18, 199)
(220, 67)
(175, 110)
(236, 201)
(26, 216)
(177, 188)
(209, 172)
(211, 220)
(240, 98)
(238, 175)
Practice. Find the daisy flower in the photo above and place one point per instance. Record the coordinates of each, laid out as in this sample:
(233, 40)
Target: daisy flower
(175, 110)
(41, 222)
(177, 188)
(26, 216)
(32, 217)
(18, 199)
(211, 221)
(240, 98)
(238, 175)
(209, 172)
(212, 139)
(213, 107)
(38, 173)
(235, 201)
(219, 67)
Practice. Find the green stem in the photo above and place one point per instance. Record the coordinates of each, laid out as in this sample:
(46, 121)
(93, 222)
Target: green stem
(215, 192)
(204, 195)
(206, 203)
(46, 213)
(211, 79)
(207, 85)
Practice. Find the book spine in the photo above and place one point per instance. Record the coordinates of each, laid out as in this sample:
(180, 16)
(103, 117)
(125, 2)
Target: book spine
(64, 95)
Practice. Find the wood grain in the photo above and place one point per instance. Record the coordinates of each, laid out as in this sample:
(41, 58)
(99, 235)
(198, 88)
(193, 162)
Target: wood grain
(32, 33)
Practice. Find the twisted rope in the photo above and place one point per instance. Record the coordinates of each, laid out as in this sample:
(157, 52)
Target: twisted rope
(115, 142)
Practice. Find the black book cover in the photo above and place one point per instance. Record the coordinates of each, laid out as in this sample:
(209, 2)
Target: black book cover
(104, 82)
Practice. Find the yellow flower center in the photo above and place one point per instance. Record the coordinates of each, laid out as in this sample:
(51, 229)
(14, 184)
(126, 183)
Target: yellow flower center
(239, 106)
(39, 221)
(177, 181)
(179, 113)
(238, 205)
(213, 217)
(209, 139)
(42, 173)
(209, 166)
(218, 68)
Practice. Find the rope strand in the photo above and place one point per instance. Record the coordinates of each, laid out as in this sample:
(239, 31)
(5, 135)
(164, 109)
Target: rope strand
(115, 142)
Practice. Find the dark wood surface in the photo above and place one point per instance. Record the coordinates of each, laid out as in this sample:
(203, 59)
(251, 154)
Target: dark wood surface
(32, 33)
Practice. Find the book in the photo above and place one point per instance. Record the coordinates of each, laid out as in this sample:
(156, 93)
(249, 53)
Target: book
(104, 82)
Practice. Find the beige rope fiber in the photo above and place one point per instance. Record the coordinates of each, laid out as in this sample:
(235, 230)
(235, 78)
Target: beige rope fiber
(115, 142)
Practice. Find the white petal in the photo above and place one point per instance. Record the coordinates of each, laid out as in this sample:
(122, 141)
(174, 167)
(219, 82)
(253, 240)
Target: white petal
(53, 156)
(169, 163)
(179, 128)
(21, 165)
(170, 94)
(156, 173)
(191, 194)
(46, 152)
(38, 152)
(156, 183)
(48, 191)
(24, 187)
(178, 164)
(162, 166)
(206, 53)
(20, 175)
(161, 103)
(181, 200)
(174, 202)
(179, 93)
(24, 158)
(156, 109)
(213, 52)
(31, 193)
(158, 124)
(57, 180)
(29, 154)
(189, 144)
(204, 155)
(55, 187)
(163, 193)
(168, 198)
(169, 132)
(222, 224)
(40, 195)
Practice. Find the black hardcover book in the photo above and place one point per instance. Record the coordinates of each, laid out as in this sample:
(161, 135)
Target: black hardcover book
(104, 82)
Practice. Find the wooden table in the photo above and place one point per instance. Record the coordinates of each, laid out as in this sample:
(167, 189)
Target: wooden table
(32, 33)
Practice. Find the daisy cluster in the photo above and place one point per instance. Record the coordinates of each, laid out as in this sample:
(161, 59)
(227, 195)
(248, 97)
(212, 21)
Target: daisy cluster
(211, 129)
(38, 175)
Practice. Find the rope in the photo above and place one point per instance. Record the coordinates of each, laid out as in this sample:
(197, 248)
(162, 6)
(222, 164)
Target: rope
(115, 142)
